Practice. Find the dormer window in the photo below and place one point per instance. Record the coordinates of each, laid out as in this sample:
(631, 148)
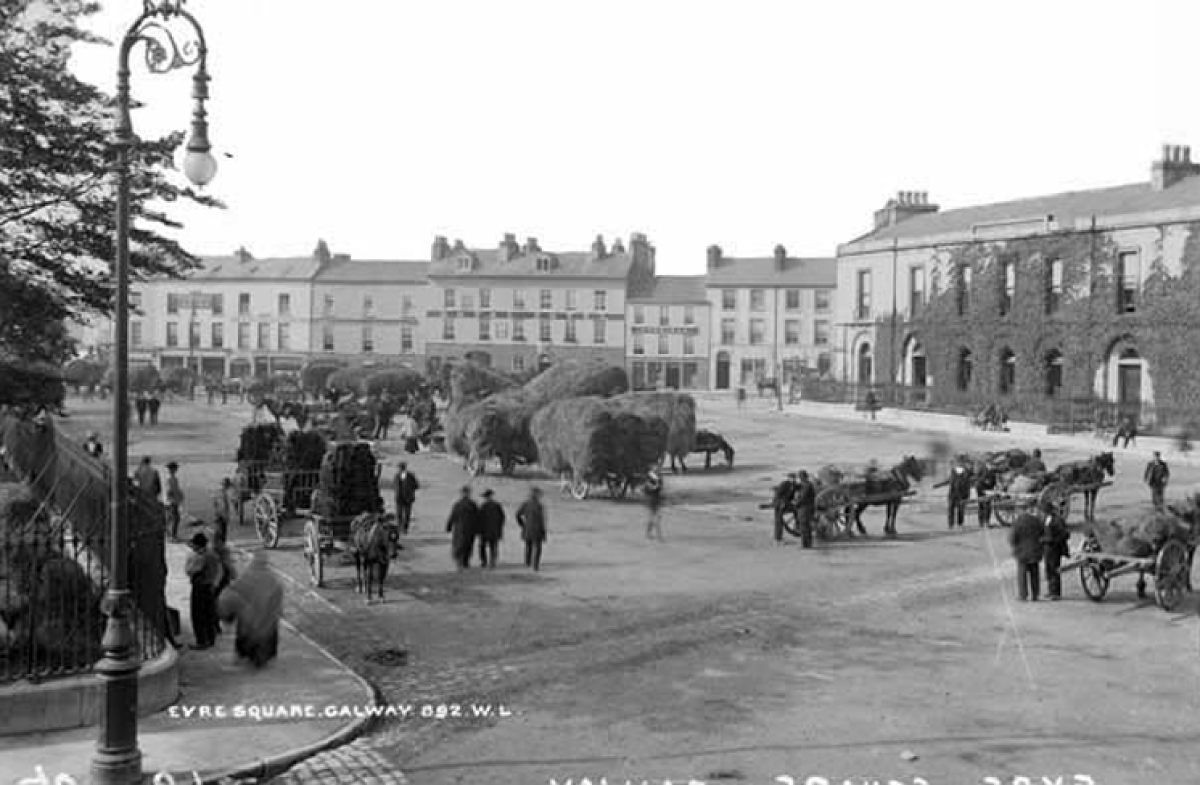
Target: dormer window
(544, 264)
(464, 264)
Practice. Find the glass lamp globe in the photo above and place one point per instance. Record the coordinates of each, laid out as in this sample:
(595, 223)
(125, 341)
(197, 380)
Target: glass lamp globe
(200, 167)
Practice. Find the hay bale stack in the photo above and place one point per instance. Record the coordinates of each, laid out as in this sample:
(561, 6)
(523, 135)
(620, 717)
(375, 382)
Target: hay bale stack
(398, 382)
(574, 379)
(496, 427)
(348, 380)
(677, 410)
(590, 437)
(259, 442)
(1141, 538)
(349, 484)
(470, 382)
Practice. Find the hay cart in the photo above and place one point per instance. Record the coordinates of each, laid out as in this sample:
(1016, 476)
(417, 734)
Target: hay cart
(328, 524)
(834, 515)
(1170, 567)
(1007, 506)
(275, 493)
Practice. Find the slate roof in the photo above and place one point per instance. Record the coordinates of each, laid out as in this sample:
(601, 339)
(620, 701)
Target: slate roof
(811, 272)
(682, 289)
(1066, 207)
(572, 264)
(231, 268)
(373, 271)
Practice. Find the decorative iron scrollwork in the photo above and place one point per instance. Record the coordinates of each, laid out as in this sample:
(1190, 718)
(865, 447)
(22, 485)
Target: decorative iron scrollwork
(166, 50)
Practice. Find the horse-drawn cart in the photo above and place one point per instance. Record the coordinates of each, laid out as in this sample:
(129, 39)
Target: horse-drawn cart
(275, 494)
(1170, 567)
(1056, 496)
(348, 486)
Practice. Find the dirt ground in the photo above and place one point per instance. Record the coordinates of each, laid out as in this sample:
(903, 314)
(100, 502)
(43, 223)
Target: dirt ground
(717, 656)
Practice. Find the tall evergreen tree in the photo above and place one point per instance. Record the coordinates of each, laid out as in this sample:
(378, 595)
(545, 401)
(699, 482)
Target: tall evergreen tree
(58, 195)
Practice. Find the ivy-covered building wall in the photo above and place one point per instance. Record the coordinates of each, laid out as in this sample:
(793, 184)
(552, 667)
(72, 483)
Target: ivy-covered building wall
(1031, 319)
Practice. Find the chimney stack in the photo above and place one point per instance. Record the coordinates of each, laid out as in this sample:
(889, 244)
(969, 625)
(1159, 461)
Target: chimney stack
(508, 248)
(531, 246)
(459, 247)
(905, 205)
(441, 249)
(1175, 165)
(714, 257)
(598, 249)
(643, 252)
(321, 252)
(243, 255)
(618, 247)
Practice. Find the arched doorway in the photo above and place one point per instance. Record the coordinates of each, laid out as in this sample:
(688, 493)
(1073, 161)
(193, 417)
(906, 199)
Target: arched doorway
(966, 369)
(1054, 373)
(866, 369)
(914, 363)
(722, 370)
(1129, 381)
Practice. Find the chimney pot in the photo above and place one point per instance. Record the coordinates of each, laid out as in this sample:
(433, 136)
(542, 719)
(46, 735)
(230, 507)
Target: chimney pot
(1166, 152)
(780, 253)
(1187, 154)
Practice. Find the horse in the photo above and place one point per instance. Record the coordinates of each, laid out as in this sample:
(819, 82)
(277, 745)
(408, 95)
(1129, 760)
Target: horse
(709, 442)
(1090, 473)
(374, 540)
(848, 494)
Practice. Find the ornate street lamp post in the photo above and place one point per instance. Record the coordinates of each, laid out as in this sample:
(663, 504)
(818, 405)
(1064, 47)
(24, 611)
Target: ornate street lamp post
(118, 760)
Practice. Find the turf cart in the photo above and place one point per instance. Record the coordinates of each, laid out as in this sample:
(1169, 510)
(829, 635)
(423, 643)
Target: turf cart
(347, 486)
(1169, 564)
(276, 476)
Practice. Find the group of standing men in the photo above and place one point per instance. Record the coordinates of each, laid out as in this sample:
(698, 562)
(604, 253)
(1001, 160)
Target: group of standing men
(469, 522)
(797, 495)
(147, 405)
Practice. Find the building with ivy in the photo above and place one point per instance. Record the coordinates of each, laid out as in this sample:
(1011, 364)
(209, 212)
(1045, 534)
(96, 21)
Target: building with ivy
(1042, 305)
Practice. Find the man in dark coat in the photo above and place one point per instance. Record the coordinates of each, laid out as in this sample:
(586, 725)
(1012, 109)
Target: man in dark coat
(406, 495)
(463, 526)
(1026, 541)
(1055, 548)
(654, 495)
(956, 497)
(783, 504)
(1157, 476)
(142, 404)
(806, 507)
(153, 405)
(255, 600)
(531, 517)
(204, 570)
(985, 483)
(491, 529)
(1034, 465)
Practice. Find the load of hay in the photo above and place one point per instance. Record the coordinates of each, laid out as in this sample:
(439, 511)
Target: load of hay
(470, 382)
(260, 442)
(397, 382)
(591, 438)
(677, 410)
(315, 375)
(348, 380)
(1141, 538)
(574, 379)
(349, 481)
(303, 453)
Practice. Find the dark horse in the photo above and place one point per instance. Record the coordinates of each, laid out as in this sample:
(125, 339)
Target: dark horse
(881, 489)
(709, 442)
(373, 543)
(1089, 474)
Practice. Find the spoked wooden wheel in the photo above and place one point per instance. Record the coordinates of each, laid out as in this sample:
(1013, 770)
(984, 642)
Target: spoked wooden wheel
(266, 520)
(1171, 575)
(1057, 498)
(791, 522)
(312, 553)
(618, 487)
(580, 489)
(1005, 513)
(1093, 575)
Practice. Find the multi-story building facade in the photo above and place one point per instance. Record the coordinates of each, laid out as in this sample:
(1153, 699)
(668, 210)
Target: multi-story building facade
(369, 312)
(518, 307)
(667, 335)
(1089, 294)
(771, 317)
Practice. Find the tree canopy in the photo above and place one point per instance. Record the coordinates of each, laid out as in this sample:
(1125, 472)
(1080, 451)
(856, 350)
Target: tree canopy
(58, 191)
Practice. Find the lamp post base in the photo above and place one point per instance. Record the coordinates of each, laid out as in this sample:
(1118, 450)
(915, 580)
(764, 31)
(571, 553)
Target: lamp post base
(117, 768)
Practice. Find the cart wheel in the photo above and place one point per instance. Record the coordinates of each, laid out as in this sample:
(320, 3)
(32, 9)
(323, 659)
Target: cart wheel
(580, 489)
(1005, 514)
(791, 522)
(618, 487)
(312, 553)
(1094, 580)
(266, 520)
(1171, 575)
(508, 466)
(1057, 498)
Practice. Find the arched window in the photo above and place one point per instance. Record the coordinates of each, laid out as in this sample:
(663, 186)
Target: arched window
(865, 364)
(1054, 373)
(965, 369)
(1008, 371)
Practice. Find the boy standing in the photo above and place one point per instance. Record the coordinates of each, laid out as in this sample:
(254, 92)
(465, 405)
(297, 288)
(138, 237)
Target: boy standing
(1026, 541)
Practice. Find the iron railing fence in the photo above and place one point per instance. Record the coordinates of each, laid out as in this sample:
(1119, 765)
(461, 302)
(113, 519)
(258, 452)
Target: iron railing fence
(54, 546)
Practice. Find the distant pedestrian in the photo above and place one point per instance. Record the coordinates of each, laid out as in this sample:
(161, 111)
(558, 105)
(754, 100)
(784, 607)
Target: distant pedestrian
(1127, 431)
(1035, 465)
(957, 496)
(406, 486)
(225, 504)
(143, 405)
(872, 403)
(1157, 476)
(782, 504)
(741, 398)
(806, 507)
(148, 480)
(92, 446)
(154, 405)
(531, 517)
(1056, 547)
(463, 526)
(204, 571)
(211, 391)
(255, 600)
(1026, 542)
(174, 499)
(491, 529)
(224, 393)
(654, 501)
(985, 483)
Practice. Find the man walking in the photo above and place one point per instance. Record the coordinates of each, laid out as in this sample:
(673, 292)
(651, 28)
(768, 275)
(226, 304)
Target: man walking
(806, 507)
(1157, 476)
(491, 529)
(142, 404)
(256, 601)
(531, 517)
(783, 504)
(1026, 542)
(1056, 547)
(462, 525)
(985, 483)
(654, 492)
(956, 498)
(406, 486)
(174, 499)
(153, 405)
(204, 570)
(148, 480)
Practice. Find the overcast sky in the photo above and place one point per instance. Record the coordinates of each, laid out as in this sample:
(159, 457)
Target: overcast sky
(377, 124)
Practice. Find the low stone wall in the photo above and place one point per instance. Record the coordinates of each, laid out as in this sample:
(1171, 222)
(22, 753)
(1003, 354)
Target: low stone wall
(78, 701)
